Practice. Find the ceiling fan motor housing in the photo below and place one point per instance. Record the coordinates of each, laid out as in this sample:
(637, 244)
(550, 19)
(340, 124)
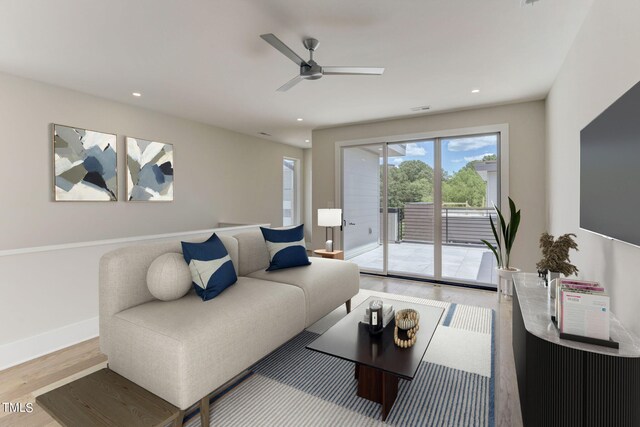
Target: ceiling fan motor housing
(311, 70)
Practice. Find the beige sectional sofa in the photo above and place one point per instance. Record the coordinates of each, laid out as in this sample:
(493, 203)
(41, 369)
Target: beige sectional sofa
(183, 350)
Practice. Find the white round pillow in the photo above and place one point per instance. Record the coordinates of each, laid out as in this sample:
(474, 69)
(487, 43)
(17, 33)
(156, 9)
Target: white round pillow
(169, 277)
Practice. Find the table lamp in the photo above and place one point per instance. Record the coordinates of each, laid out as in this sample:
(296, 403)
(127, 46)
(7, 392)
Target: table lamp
(329, 218)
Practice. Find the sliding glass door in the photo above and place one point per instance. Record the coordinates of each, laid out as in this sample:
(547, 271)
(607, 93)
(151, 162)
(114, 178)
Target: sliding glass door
(362, 206)
(470, 187)
(410, 197)
(420, 208)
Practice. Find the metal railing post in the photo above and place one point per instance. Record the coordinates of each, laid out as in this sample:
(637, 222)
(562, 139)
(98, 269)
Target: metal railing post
(446, 222)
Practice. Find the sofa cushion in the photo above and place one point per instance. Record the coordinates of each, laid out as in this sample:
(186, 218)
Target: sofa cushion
(169, 277)
(231, 244)
(326, 283)
(211, 267)
(286, 247)
(252, 252)
(123, 282)
(157, 346)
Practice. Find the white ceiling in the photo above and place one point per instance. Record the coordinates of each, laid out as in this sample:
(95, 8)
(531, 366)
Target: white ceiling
(204, 59)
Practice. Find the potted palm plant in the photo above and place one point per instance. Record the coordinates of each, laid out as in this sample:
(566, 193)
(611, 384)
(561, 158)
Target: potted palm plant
(504, 242)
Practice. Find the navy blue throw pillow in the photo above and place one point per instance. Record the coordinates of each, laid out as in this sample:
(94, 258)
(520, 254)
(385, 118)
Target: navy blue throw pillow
(286, 247)
(211, 267)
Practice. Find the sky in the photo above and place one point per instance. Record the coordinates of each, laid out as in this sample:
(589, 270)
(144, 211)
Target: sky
(455, 152)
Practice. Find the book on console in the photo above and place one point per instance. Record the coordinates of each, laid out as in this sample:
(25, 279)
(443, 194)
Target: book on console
(565, 283)
(583, 309)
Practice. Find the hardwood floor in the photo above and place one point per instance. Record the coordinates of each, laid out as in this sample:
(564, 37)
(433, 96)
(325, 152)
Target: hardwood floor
(431, 291)
(22, 383)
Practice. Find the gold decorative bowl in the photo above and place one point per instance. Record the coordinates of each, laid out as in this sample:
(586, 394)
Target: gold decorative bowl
(407, 319)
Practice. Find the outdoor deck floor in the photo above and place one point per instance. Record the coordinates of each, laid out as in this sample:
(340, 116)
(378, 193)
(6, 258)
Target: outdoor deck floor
(467, 263)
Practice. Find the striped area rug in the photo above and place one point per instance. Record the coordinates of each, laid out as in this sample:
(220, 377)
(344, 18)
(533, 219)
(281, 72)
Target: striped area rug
(294, 386)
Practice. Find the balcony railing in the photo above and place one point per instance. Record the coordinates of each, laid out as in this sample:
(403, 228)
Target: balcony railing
(460, 225)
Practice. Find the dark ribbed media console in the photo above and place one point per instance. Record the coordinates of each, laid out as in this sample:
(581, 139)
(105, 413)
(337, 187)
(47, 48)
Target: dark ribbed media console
(569, 383)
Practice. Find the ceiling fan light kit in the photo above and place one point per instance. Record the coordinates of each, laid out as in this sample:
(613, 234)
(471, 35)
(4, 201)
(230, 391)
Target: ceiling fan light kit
(311, 70)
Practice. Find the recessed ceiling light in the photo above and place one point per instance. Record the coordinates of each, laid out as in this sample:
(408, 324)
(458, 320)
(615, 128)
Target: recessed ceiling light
(306, 140)
(475, 91)
(299, 119)
(137, 94)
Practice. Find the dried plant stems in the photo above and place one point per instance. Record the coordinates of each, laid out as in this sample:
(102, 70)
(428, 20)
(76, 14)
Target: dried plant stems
(555, 253)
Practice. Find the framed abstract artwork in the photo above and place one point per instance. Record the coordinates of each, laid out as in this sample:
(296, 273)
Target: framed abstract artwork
(85, 165)
(149, 171)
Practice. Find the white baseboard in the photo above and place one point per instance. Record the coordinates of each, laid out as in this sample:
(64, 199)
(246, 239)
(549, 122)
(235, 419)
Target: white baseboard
(17, 352)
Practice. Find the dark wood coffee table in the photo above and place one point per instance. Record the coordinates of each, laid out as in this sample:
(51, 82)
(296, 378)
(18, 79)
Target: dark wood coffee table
(379, 363)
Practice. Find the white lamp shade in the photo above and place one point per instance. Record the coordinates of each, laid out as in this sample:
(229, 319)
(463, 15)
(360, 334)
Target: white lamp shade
(329, 217)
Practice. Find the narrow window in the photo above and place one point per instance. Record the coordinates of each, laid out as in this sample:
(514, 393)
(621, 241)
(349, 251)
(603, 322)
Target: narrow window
(290, 197)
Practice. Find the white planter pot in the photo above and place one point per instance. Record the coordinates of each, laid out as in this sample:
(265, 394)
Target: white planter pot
(505, 284)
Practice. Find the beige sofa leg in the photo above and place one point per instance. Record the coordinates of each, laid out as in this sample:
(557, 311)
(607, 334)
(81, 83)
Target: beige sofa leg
(348, 305)
(179, 419)
(204, 411)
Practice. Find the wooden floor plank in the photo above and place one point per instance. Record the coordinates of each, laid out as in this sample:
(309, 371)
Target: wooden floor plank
(35, 374)
(37, 418)
(22, 383)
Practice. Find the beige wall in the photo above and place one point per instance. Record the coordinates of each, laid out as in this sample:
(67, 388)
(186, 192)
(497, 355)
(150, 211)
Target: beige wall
(220, 176)
(526, 140)
(49, 299)
(602, 64)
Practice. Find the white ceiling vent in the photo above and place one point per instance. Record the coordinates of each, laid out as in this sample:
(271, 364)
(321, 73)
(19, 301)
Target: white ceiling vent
(421, 108)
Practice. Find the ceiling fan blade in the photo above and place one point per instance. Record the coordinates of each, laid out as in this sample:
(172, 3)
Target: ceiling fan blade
(352, 71)
(283, 48)
(291, 83)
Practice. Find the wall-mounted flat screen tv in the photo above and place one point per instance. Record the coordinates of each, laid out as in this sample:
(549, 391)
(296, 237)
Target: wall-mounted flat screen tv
(610, 171)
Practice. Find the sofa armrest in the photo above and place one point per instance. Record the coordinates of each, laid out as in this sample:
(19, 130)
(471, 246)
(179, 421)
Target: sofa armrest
(123, 281)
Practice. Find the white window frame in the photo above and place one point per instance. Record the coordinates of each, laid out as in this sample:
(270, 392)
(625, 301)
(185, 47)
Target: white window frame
(296, 203)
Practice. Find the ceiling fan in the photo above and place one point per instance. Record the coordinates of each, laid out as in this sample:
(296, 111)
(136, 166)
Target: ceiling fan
(310, 70)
